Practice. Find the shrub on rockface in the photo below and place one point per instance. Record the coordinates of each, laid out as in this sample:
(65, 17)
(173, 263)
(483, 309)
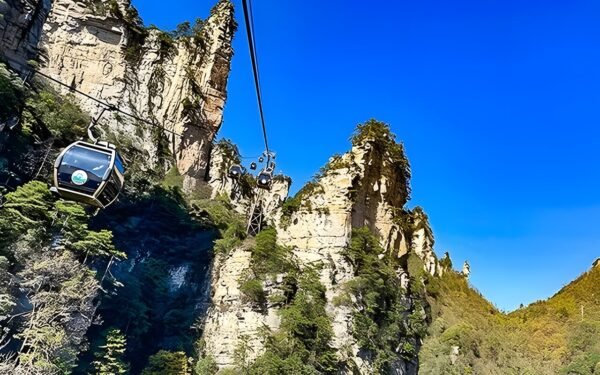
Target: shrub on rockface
(219, 213)
(206, 366)
(253, 291)
(379, 135)
(61, 116)
(386, 322)
(12, 94)
(302, 345)
(268, 257)
(167, 363)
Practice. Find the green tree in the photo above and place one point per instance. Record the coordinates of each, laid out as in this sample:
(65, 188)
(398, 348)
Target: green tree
(60, 115)
(206, 366)
(183, 30)
(98, 244)
(198, 26)
(11, 95)
(167, 363)
(6, 300)
(110, 359)
(26, 208)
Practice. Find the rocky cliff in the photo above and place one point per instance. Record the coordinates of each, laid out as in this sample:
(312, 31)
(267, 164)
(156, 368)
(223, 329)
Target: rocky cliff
(364, 188)
(21, 25)
(50, 278)
(101, 48)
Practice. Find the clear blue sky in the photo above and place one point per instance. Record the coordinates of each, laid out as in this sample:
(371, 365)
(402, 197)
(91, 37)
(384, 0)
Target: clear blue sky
(497, 102)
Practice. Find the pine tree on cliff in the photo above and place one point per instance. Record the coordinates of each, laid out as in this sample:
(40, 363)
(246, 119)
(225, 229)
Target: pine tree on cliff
(110, 358)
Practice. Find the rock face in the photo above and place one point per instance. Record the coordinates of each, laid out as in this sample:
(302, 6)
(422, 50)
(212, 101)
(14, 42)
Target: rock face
(101, 49)
(232, 321)
(466, 270)
(21, 24)
(361, 188)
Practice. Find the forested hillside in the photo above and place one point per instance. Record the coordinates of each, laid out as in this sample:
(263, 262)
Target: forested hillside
(558, 336)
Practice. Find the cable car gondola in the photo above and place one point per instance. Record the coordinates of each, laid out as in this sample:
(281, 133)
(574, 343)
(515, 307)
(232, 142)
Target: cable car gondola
(253, 166)
(89, 173)
(265, 179)
(235, 172)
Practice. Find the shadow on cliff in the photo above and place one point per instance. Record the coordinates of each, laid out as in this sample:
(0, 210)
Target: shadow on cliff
(165, 280)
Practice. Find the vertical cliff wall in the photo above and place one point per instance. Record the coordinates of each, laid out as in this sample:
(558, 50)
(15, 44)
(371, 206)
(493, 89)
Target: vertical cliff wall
(366, 187)
(101, 49)
(21, 24)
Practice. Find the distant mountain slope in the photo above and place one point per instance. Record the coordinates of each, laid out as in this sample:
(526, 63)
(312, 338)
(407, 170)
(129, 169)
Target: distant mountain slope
(470, 336)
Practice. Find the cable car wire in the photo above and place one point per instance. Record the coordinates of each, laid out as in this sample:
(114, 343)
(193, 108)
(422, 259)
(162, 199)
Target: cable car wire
(254, 59)
(107, 105)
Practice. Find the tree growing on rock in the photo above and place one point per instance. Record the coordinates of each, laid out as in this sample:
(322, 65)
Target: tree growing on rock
(110, 358)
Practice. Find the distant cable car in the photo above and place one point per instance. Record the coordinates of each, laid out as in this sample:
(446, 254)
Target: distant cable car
(261, 159)
(90, 173)
(235, 171)
(265, 179)
(253, 166)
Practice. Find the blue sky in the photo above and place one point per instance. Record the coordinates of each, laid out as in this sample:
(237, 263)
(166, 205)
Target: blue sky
(497, 102)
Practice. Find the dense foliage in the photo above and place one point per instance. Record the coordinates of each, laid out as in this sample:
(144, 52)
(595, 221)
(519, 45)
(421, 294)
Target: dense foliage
(12, 95)
(168, 363)
(46, 122)
(547, 337)
(46, 247)
(302, 345)
(387, 322)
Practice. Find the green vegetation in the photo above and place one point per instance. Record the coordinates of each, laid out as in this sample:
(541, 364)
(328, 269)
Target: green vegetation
(48, 121)
(380, 137)
(168, 363)
(206, 366)
(173, 179)
(61, 116)
(220, 214)
(299, 201)
(335, 162)
(269, 258)
(12, 94)
(44, 244)
(387, 323)
(302, 345)
(110, 359)
(547, 337)
(253, 291)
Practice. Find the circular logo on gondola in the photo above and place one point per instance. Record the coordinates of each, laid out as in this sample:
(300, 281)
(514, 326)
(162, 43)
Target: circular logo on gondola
(79, 177)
